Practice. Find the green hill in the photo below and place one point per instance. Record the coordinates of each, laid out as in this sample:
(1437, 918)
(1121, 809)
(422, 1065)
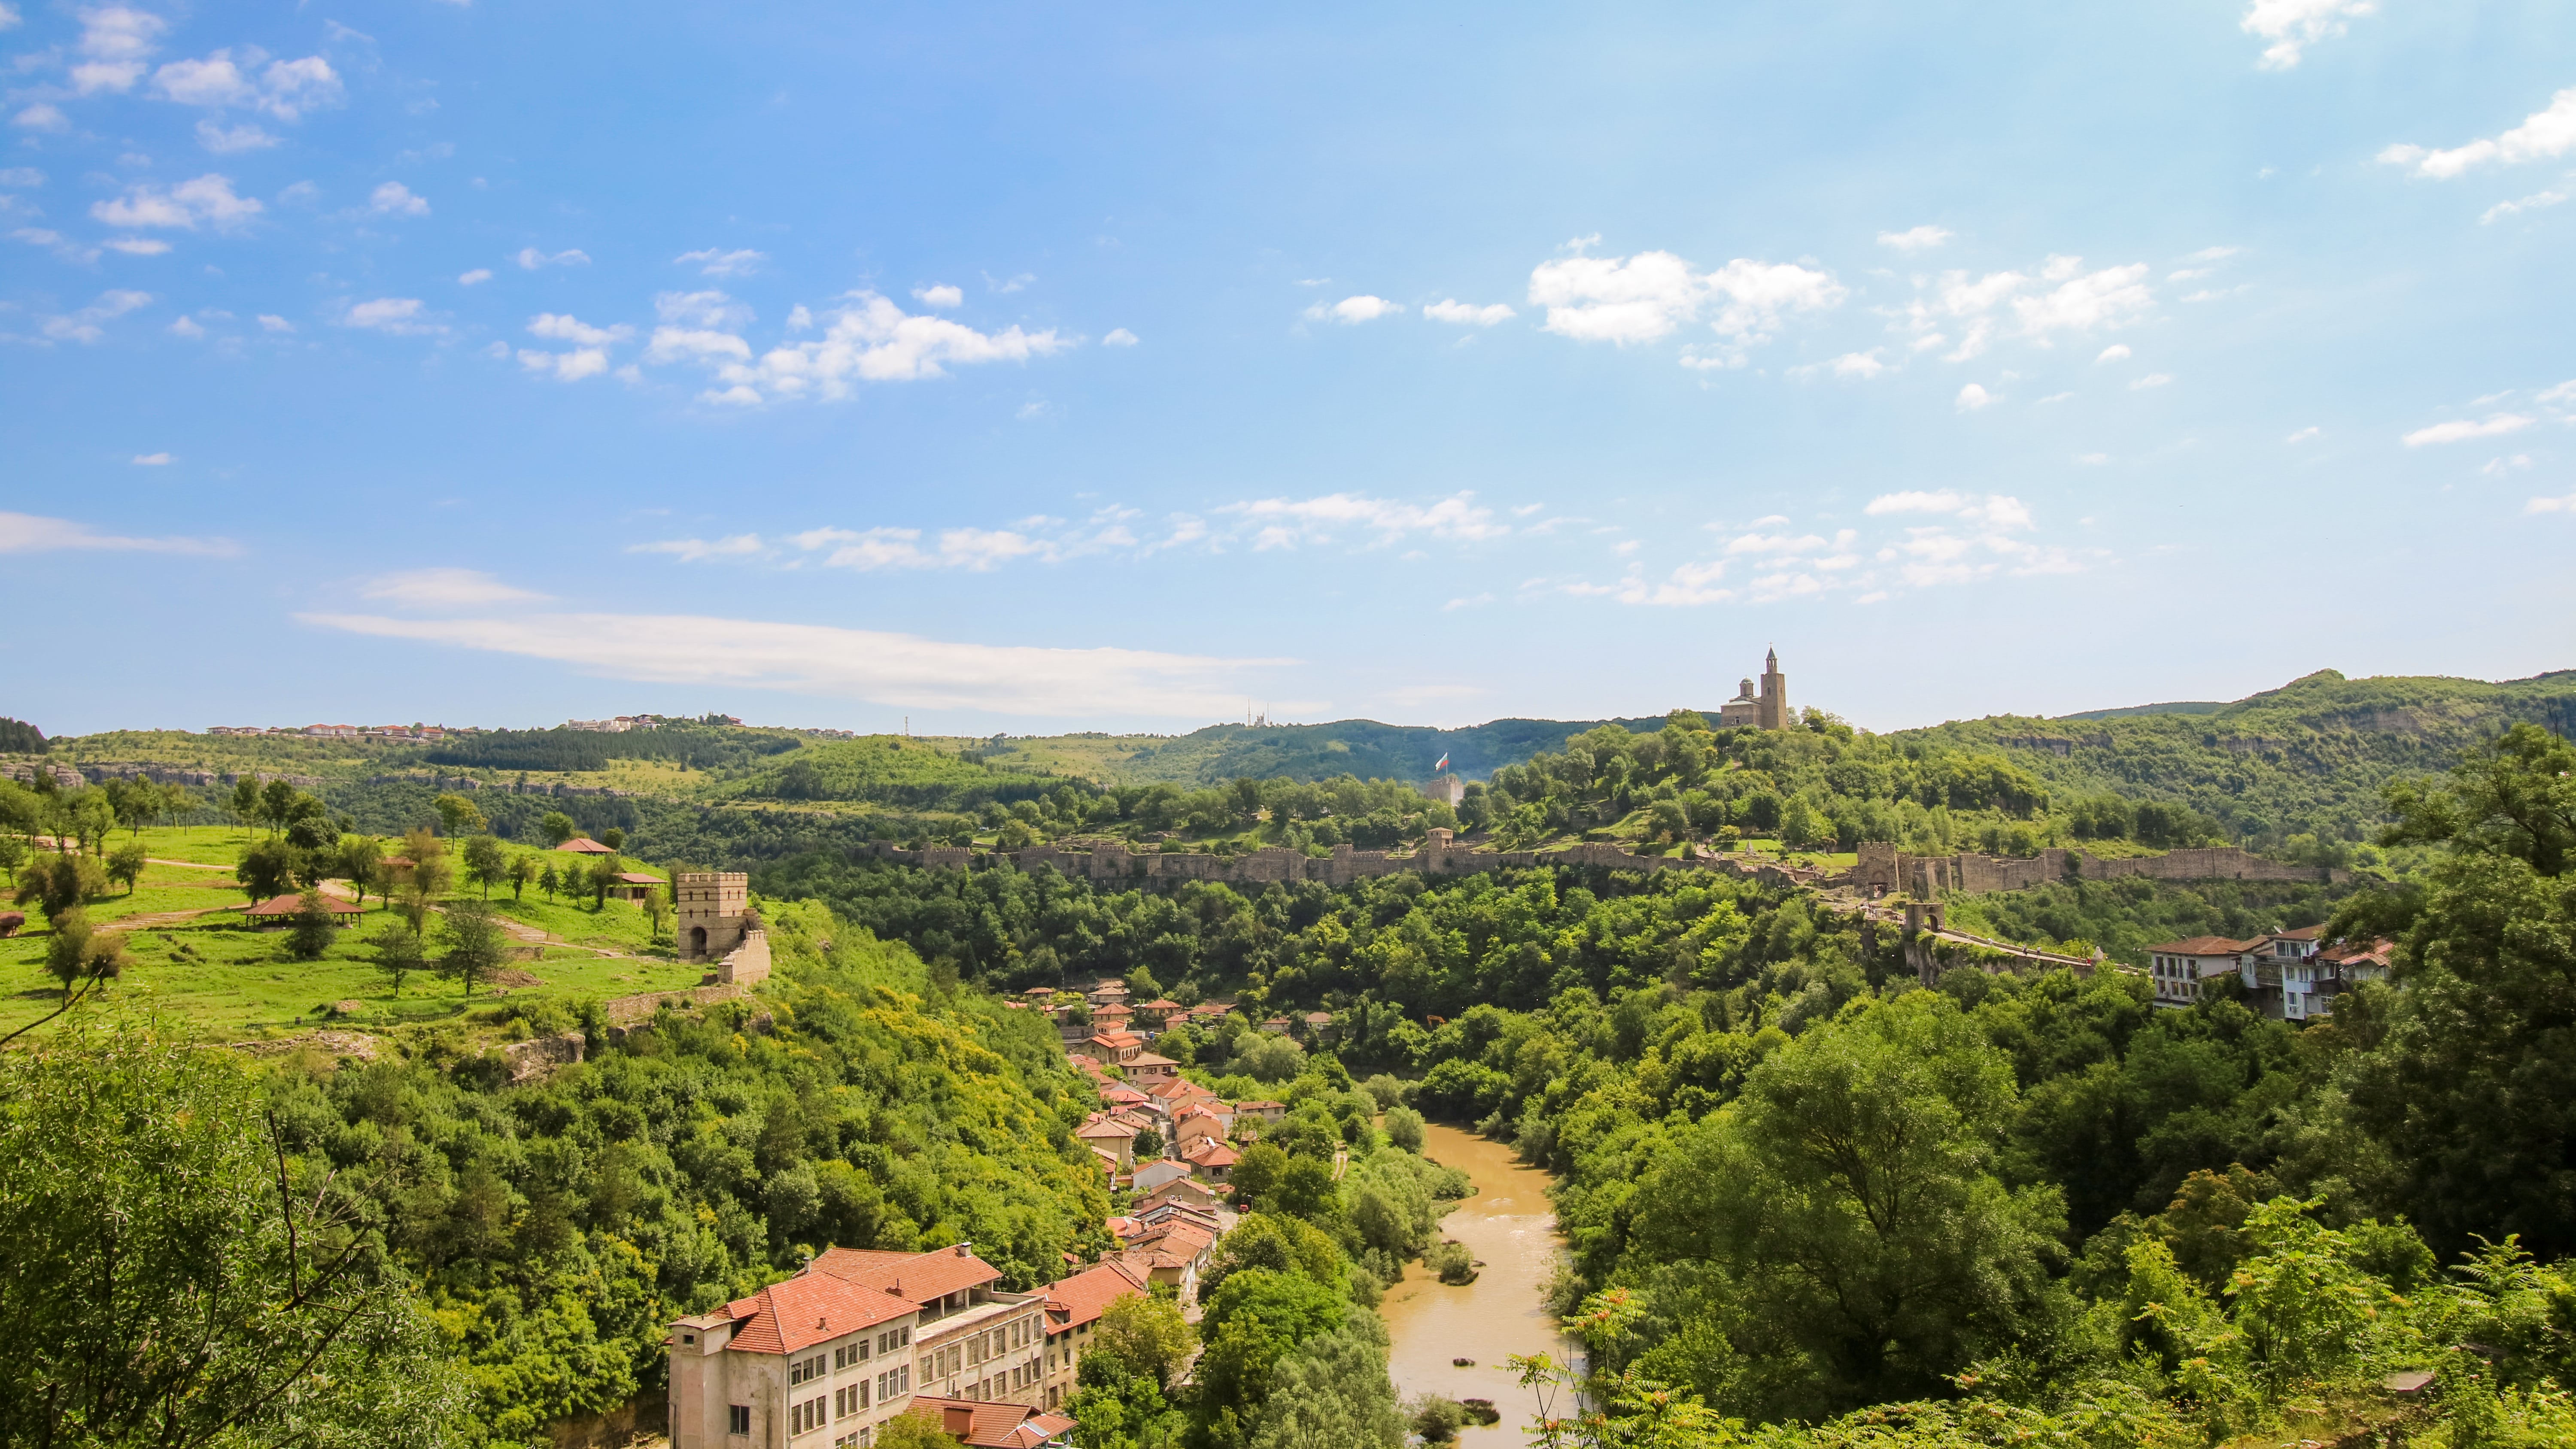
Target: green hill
(1361, 747)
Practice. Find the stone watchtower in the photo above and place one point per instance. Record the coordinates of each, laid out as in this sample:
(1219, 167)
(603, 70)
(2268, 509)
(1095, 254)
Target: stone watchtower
(709, 907)
(1772, 710)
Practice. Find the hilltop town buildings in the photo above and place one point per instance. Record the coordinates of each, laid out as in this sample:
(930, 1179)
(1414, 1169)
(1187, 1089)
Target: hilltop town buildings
(2287, 975)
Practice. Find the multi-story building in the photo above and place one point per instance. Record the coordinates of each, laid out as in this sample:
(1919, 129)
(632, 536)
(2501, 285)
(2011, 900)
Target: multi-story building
(822, 1359)
(1073, 1309)
(2279, 971)
(2178, 967)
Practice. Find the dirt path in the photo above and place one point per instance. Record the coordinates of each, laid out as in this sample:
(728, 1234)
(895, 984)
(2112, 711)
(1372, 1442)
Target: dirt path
(150, 919)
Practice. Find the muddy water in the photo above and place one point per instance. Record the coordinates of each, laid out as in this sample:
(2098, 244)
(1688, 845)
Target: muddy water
(1508, 1226)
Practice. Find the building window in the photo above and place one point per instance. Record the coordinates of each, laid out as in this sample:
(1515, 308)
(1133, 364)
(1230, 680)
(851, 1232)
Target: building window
(805, 1369)
(737, 1418)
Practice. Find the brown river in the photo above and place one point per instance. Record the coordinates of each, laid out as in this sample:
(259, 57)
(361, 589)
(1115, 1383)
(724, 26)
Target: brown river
(1509, 1228)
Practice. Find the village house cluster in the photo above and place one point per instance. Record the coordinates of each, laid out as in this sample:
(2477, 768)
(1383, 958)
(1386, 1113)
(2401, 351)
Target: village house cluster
(2287, 975)
(825, 1358)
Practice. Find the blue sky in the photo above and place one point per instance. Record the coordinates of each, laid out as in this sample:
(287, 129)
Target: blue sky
(1040, 367)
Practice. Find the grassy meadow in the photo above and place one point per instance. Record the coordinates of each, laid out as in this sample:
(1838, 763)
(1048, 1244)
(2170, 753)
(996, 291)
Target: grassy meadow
(188, 952)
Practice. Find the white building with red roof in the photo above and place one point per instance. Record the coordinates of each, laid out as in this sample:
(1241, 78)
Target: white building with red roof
(823, 1358)
(981, 1425)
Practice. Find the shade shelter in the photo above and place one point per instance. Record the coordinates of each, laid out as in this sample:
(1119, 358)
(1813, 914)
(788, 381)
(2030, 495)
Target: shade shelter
(279, 911)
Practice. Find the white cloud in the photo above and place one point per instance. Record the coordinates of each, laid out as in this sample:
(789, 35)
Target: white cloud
(1625, 300)
(1915, 239)
(61, 245)
(2551, 505)
(29, 533)
(1468, 314)
(1973, 397)
(1471, 601)
(444, 588)
(2116, 352)
(1288, 523)
(939, 294)
(208, 200)
(2092, 460)
(2499, 467)
(2153, 379)
(84, 325)
(694, 550)
(2293, 25)
(700, 309)
(2464, 429)
(284, 89)
(2542, 134)
(1997, 509)
(42, 117)
(474, 278)
(564, 327)
(186, 326)
(2055, 397)
(24, 176)
(271, 322)
(1013, 284)
(1855, 364)
(2079, 301)
(395, 199)
(570, 366)
(152, 460)
(715, 262)
(2304, 435)
(1690, 585)
(529, 259)
(1351, 311)
(227, 140)
(9, 17)
(870, 340)
(675, 344)
(1119, 337)
(895, 670)
(401, 316)
(136, 246)
(2534, 202)
(115, 42)
(976, 549)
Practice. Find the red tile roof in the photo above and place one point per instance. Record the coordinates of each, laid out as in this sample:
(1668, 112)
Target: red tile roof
(810, 1308)
(1075, 1301)
(584, 845)
(1106, 1129)
(1213, 1154)
(990, 1426)
(2201, 946)
(918, 1277)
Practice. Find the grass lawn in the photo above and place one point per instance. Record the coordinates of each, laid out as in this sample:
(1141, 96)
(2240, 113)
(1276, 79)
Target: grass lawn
(237, 983)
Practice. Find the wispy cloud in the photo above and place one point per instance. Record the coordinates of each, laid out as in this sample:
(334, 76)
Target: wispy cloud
(445, 588)
(882, 668)
(868, 339)
(2534, 202)
(530, 259)
(715, 262)
(400, 316)
(206, 201)
(2461, 430)
(2061, 298)
(1916, 238)
(1351, 311)
(88, 324)
(2541, 136)
(31, 533)
(1468, 314)
(1292, 522)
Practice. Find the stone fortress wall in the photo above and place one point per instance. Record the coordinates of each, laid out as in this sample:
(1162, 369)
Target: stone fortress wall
(1882, 869)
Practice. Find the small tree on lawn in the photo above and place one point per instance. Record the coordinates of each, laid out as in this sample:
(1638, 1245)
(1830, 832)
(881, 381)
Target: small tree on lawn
(312, 934)
(362, 864)
(557, 827)
(411, 906)
(460, 815)
(55, 884)
(522, 869)
(13, 853)
(549, 882)
(657, 909)
(266, 869)
(126, 865)
(76, 951)
(397, 953)
(486, 863)
(604, 871)
(613, 838)
(474, 942)
(245, 801)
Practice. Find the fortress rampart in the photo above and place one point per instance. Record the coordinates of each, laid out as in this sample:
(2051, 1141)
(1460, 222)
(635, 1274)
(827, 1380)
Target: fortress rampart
(1882, 869)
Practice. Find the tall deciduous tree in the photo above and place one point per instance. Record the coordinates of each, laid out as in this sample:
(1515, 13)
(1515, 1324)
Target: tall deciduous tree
(460, 815)
(177, 1280)
(266, 869)
(486, 863)
(1849, 1236)
(557, 827)
(2470, 1084)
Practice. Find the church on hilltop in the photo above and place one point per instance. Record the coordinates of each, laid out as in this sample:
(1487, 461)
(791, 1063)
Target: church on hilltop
(1768, 710)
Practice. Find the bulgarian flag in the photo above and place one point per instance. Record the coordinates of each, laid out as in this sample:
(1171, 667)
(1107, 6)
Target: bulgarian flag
(1444, 763)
